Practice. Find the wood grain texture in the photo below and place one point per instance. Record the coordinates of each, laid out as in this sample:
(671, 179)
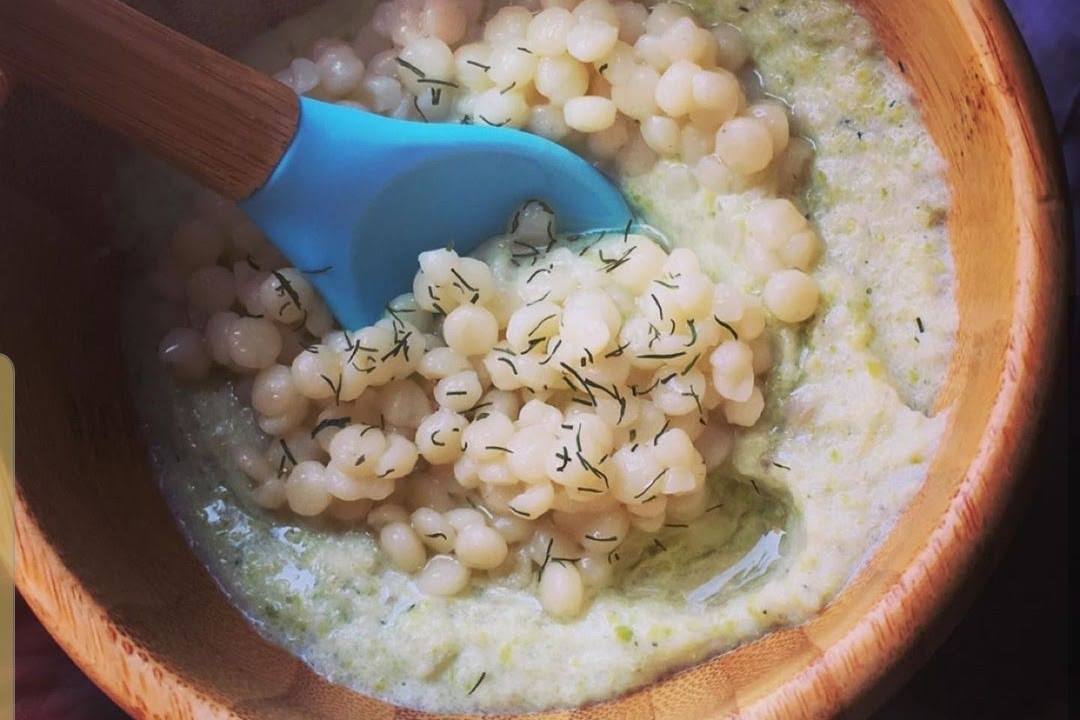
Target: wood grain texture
(222, 123)
(108, 573)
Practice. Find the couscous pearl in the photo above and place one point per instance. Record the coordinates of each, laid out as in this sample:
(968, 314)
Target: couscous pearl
(508, 26)
(674, 89)
(434, 529)
(357, 448)
(501, 108)
(511, 66)
(547, 121)
(636, 96)
(471, 63)
(589, 113)
(310, 371)
(662, 134)
(185, 352)
(733, 372)
(791, 295)
(383, 92)
(402, 545)
(745, 413)
(431, 56)
(304, 489)
(548, 31)
(460, 391)
(596, 10)
(513, 529)
(745, 145)
(481, 547)
(561, 78)
(461, 518)
(470, 330)
(683, 40)
(444, 19)
(443, 576)
(774, 115)
(591, 40)
(254, 343)
(340, 71)
(561, 590)
(274, 392)
(732, 51)
(773, 222)
(385, 514)
(632, 17)
(800, 251)
(717, 90)
(752, 322)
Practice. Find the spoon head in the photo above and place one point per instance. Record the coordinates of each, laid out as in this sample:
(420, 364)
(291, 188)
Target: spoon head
(358, 196)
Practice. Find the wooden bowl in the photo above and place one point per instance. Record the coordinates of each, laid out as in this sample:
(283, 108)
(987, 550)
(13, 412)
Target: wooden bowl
(101, 562)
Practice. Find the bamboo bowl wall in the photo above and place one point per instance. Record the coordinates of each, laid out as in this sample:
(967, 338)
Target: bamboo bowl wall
(102, 564)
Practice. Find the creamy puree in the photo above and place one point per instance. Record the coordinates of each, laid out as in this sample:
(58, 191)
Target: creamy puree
(846, 439)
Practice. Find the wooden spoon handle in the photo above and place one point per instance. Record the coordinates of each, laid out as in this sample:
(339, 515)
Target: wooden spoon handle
(223, 123)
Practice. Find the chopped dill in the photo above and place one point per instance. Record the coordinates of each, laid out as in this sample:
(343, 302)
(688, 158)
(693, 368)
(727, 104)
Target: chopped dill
(436, 81)
(539, 324)
(537, 272)
(416, 104)
(339, 423)
(493, 124)
(482, 66)
(649, 487)
(727, 327)
(285, 449)
(667, 426)
(411, 68)
(480, 680)
(782, 467)
(509, 362)
(662, 356)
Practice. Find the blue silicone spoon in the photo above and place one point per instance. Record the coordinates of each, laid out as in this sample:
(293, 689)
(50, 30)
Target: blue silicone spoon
(358, 196)
(350, 197)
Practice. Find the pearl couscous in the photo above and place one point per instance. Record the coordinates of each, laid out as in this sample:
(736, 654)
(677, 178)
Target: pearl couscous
(563, 466)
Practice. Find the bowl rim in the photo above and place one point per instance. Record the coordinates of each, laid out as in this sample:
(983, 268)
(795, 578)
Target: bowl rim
(917, 598)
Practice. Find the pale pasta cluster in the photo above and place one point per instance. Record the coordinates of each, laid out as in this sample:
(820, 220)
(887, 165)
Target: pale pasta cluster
(538, 407)
(617, 81)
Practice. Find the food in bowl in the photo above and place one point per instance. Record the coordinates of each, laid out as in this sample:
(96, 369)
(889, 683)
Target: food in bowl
(565, 466)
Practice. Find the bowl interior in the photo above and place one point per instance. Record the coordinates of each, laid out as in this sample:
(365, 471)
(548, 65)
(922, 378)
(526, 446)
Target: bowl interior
(103, 565)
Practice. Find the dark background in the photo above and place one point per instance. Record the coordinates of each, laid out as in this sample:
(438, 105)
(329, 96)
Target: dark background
(1007, 659)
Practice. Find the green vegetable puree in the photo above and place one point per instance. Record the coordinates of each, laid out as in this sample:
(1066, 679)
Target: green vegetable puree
(843, 446)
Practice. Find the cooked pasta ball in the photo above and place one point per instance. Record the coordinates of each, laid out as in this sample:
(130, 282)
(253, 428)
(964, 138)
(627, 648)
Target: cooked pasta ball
(554, 396)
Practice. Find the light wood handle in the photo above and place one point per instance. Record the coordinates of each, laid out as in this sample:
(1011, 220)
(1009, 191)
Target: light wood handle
(224, 124)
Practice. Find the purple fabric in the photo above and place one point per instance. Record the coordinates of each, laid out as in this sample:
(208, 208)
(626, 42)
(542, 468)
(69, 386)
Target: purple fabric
(1051, 29)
